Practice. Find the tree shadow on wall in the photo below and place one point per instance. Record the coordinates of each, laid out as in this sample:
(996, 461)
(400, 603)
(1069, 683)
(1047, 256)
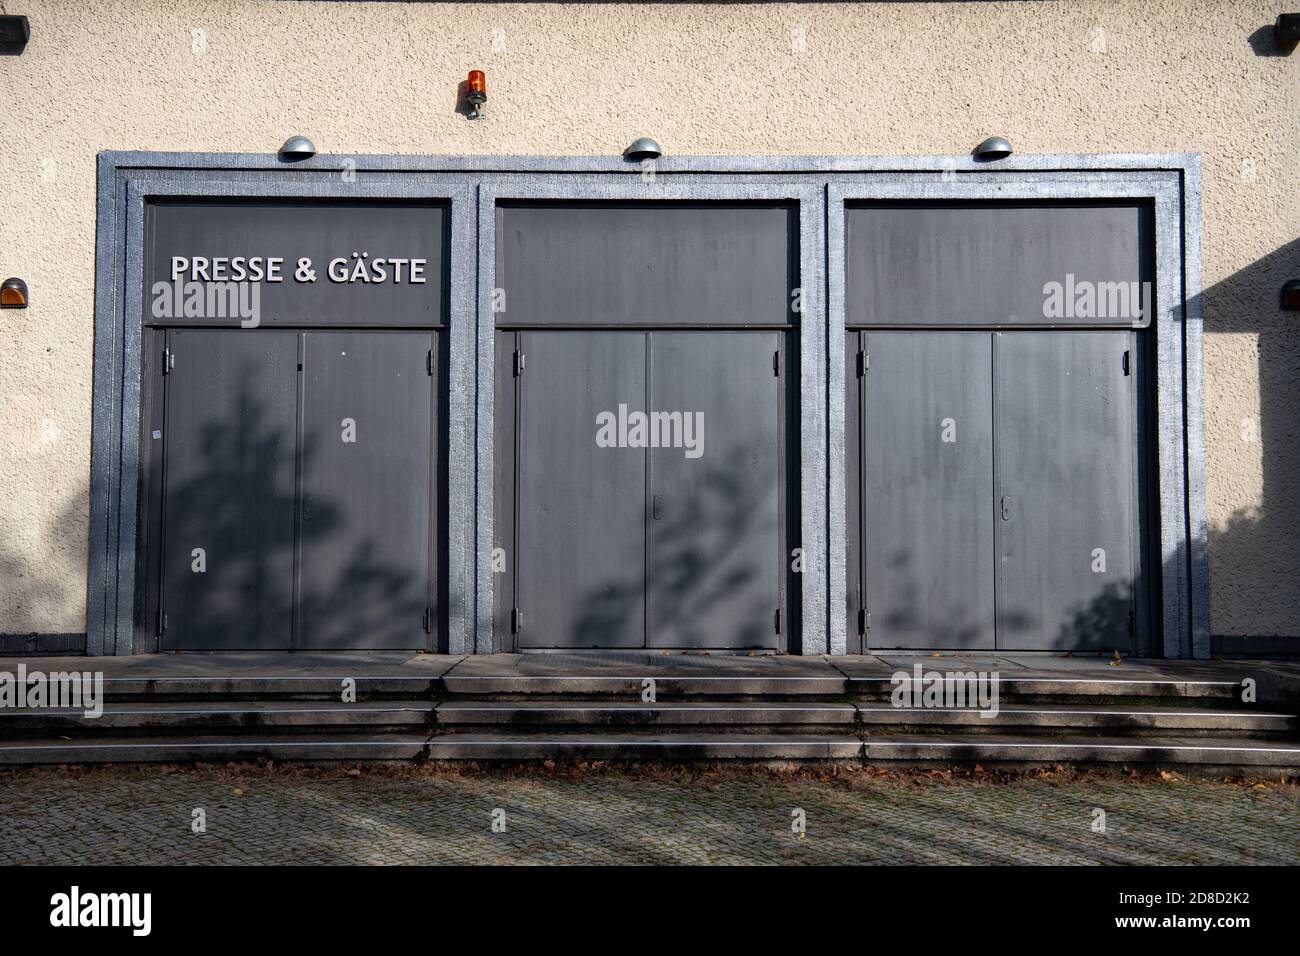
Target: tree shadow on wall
(714, 567)
(1254, 552)
(905, 613)
(42, 580)
(238, 501)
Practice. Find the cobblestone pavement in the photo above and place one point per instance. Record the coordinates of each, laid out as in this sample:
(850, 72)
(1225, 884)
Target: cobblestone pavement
(605, 815)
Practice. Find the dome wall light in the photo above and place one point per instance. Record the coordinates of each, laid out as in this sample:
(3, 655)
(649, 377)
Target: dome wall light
(475, 93)
(297, 148)
(14, 34)
(995, 147)
(643, 148)
(13, 294)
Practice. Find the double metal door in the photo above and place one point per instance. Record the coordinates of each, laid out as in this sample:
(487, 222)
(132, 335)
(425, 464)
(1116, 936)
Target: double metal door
(662, 531)
(298, 490)
(998, 492)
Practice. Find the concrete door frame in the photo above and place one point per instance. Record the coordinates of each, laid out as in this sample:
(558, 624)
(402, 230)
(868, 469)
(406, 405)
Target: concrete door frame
(127, 180)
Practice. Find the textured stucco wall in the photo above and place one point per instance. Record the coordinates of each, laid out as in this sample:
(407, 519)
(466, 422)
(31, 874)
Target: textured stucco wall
(1116, 75)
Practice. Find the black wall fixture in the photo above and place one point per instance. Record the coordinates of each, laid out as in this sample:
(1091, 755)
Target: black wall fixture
(1286, 32)
(1291, 295)
(14, 34)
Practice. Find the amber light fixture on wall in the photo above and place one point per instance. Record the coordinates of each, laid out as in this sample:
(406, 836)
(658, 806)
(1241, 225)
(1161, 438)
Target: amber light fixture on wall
(13, 294)
(476, 92)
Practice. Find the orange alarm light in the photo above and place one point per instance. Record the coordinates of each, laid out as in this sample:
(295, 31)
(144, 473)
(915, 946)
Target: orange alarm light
(13, 294)
(477, 81)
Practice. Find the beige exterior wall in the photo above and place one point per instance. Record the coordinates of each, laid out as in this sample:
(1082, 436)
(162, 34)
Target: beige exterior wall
(1112, 75)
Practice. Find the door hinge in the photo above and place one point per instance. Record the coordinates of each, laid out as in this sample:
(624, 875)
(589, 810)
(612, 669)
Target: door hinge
(777, 620)
(426, 620)
(1128, 362)
(516, 620)
(162, 620)
(776, 362)
(519, 362)
(428, 365)
(169, 361)
(864, 363)
(864, 620)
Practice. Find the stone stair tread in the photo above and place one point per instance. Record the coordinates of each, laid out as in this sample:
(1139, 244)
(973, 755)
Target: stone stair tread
(1163, 707)
(631, 713)
(227, 706)
(1110, 684)
(387, 746)
(373, 747)
(1198, 750)
(632, 683)
(643, 745)
(638, 705)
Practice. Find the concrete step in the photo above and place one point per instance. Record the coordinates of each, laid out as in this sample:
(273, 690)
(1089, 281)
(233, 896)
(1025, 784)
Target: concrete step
(1038, 688)
(645, 746)
(269, 687)
(947, 749)
(626, 745)
(1053, 717)
(599, 713)
(799, 716)
(217, 716)
(407, 747)
(215, 749)
(630, 686)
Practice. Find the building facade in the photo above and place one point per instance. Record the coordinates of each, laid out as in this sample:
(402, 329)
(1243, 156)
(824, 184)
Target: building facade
(809, 373)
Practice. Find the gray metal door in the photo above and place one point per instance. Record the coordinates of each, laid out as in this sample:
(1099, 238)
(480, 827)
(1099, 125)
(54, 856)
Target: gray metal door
(1067, 490)
(927, 466)
(715, 562)
(228, 505)
(580, 571)
(367, 487)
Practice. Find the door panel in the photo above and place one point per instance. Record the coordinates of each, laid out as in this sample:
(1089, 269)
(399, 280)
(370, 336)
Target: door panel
(228, 506)
(853, 593)
(505, 529)
(715, 564)
(972, 264)
(581, 563)
(927, 522)
(367, 488)
(399, 294)
(1067, 490)
(646, 264)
